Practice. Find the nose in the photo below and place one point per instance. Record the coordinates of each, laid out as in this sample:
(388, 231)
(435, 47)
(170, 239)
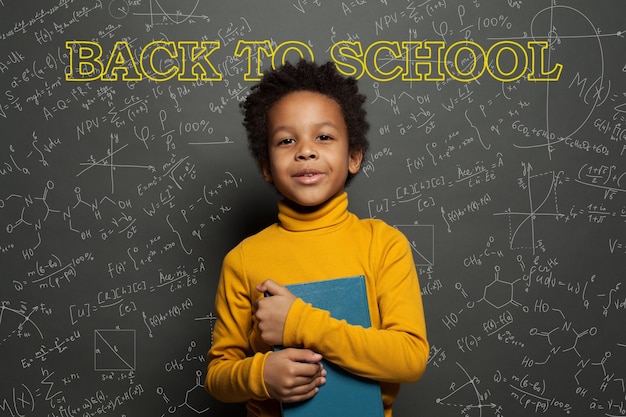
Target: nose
(306, 152)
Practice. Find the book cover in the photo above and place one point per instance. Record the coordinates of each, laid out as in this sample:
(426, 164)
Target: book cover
(344, 394)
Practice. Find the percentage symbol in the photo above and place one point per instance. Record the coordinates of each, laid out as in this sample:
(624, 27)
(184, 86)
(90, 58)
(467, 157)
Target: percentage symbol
(204, 126)
(504, 21)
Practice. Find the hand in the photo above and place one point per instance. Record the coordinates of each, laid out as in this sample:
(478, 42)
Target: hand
(271, 312)
(293, 374)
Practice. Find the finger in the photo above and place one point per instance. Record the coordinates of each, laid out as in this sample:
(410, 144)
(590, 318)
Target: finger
(256, 304)
(262, 287)
(305, 372)
(303, 355)
(305, 367)
(273, 288)
(303, 387)
(297, 397)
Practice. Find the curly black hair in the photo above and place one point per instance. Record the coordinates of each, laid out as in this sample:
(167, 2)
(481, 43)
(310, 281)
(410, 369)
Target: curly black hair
(304, 76)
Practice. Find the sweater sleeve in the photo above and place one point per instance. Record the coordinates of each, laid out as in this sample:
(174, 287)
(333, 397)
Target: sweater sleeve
(233, 375)
(397, 351)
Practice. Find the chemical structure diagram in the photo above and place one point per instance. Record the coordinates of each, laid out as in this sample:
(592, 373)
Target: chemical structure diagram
(196, 398)
(34, 211)
(497, 293)
(563, 339)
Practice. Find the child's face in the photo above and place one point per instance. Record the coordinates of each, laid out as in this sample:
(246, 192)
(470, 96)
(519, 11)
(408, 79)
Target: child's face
(309, 158)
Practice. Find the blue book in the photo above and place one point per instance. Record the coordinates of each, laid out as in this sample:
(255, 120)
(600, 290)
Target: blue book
(344, 394)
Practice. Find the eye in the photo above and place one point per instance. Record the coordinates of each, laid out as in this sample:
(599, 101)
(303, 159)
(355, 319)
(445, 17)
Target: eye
(324, 137)
(286, 141)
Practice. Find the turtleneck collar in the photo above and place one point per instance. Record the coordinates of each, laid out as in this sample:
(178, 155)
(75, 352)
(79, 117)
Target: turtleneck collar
(330, 214)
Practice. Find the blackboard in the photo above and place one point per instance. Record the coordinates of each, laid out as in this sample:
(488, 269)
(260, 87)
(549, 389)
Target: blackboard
(119, 198)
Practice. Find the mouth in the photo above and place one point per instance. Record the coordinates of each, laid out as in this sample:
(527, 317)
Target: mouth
(308, 176)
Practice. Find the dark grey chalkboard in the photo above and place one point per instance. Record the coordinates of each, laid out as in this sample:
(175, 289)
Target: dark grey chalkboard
(118, 200)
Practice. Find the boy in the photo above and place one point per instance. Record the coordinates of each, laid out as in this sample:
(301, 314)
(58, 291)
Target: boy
(306, 127)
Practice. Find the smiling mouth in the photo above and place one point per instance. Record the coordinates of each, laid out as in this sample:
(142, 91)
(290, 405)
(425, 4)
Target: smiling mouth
(308, 176)
(307, 173)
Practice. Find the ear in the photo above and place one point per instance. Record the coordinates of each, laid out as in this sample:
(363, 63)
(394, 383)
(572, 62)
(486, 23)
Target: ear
(266, 171)
(354, 161)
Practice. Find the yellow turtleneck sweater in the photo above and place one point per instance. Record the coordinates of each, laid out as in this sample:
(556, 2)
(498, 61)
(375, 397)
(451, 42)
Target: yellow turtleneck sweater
(302, 247)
